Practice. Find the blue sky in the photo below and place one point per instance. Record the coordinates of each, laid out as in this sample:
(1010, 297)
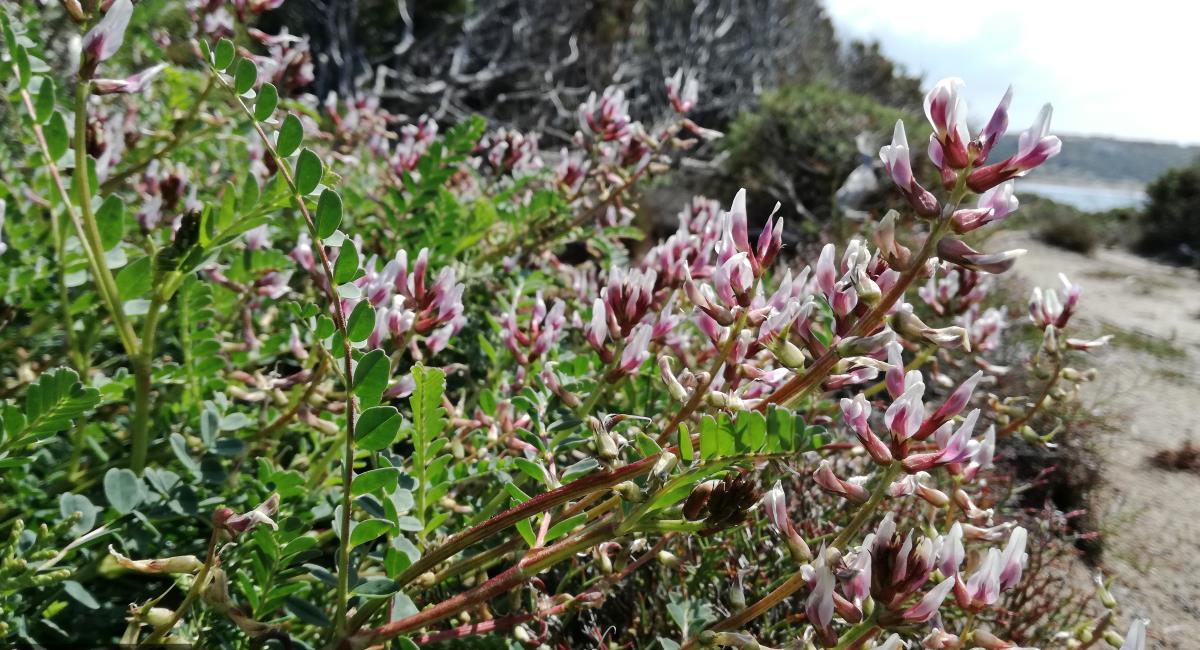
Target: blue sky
(1123, 69)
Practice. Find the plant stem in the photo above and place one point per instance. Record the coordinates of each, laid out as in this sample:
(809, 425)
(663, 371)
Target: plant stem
(798, 386)
(857, 634)
(499, 624)
(185, 345)
(74, 348)
(177, 138)
(697, 397)
(90, 233)
(797, 581)
(143, 375)
(1016, 424)
(94, 249)
(339, 320)
(534, 562)
(198, 584)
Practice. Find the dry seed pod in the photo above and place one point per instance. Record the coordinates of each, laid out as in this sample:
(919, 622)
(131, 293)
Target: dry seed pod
(721, 503)
(695, 508)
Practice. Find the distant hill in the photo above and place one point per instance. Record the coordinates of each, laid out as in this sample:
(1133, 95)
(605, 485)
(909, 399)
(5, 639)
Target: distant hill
(1107, 160)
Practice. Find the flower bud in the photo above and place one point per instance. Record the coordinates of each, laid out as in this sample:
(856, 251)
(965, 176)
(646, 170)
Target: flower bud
(861, 345)
(674, 388)
(737, 597)
(158, 616)
(1102, 592)
(235, 524)
(103, 40)
(74, 10)
(630, 490)
(786, 353)
(1050, 340)
(662, 468)
(697, 501)
(606, 447)
(176, 564)
(668, 559)
(828, 481)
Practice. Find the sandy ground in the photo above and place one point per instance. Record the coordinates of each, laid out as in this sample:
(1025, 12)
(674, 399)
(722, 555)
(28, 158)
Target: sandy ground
(1150, 381)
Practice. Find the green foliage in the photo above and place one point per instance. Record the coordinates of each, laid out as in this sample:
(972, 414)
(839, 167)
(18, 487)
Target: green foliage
(291, 133)
(798, 144)
(429, 419)
(227, 413)
(51, 404)
(1168, 223)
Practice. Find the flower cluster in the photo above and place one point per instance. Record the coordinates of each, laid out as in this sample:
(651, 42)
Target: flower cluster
(606, 406)
(408, 306)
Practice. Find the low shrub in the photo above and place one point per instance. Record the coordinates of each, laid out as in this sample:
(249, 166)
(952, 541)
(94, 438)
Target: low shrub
(1169, 227)
(1070, 233)
(800, 143)
(307, 373)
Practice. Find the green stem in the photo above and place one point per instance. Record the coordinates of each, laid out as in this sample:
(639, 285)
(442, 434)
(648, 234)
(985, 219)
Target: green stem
(671, 526)
(857, 634)
(1016, 425)
(108, 287)
(700, 391)
(339, 320)
(140, 426)
(90, 232)
(193, 592)
(178, 137)
(143, 375)
(185, 345)
(867, 510)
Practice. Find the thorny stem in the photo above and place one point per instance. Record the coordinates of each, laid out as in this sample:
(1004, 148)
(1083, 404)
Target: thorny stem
(339, 319)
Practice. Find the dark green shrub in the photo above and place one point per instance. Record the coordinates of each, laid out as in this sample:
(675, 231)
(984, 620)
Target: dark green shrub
(1073, 234)
(799, 145)
(1170, 225)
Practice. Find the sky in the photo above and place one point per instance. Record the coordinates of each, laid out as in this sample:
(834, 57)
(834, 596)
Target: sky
(1117, 68)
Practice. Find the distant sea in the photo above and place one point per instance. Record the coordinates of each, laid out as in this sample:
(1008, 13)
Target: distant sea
(1089, 198)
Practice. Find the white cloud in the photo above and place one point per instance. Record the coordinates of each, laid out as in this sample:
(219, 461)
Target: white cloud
(1111, 68)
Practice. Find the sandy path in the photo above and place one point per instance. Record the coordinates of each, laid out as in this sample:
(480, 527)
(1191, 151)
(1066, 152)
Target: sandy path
(1150, 517)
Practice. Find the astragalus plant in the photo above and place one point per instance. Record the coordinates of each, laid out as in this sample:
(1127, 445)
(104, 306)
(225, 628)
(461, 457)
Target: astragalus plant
(297, 371)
